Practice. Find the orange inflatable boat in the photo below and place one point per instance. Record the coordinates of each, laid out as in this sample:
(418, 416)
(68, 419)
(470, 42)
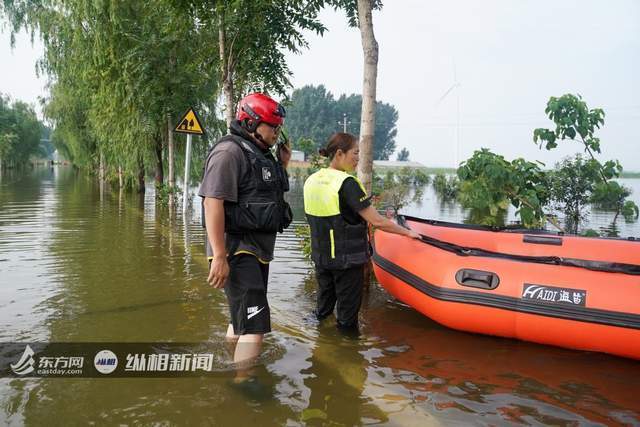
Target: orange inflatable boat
(539, 286)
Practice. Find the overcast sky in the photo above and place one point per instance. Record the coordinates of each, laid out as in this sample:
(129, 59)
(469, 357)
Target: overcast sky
(510, 57)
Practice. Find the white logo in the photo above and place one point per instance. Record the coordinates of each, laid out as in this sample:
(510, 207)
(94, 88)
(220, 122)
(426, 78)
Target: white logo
(577, 297)
(105, 361)
(252, 311)
(533, 291)
(26, 362)
(541, 293)
(564, 297)
(550, 294)
(266, 174)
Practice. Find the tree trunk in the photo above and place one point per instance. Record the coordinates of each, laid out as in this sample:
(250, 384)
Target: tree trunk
(101, 173)
(228, 100)
(226, 72)
(159, 167)
(101, 176)
(141, 188)
(120, 177)
(172, 172)
(368, 119)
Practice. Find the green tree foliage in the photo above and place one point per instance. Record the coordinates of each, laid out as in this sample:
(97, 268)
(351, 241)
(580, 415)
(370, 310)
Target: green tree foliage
(20, 133)
(122, 72)
(612, 196)
(489, 183)
(593, 182)
(306, 145)
(384, 141)
(350, 7)
(397, 189)
(573, 182)
(116, 71)
(315, 114)
(573, 119)
(577, 182)
(446, 187)
(403, 155)
(311, 116)
(252, 38)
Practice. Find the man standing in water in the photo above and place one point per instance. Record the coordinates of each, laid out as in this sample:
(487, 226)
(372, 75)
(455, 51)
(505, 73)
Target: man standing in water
(243, 190)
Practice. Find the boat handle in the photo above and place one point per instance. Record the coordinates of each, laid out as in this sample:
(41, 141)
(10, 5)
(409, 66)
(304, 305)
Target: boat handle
(477, 278)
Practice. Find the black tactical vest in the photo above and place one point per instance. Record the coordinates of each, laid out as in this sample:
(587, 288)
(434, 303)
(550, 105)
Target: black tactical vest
(260, 206)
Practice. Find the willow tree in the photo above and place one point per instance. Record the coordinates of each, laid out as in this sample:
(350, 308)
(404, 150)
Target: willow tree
(252, 38)
(162, 64)
(119, 72)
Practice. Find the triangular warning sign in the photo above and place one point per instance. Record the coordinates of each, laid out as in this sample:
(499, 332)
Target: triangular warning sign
(190, 123)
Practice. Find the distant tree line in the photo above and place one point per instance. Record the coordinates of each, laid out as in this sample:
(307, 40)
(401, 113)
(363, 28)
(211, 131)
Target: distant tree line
(20, 133)
(314, 114)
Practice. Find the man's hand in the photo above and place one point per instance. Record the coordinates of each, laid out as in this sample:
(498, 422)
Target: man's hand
(219, 272)
(284, 154)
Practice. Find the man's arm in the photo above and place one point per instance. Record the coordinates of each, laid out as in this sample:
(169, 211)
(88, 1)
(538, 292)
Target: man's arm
(214, 221)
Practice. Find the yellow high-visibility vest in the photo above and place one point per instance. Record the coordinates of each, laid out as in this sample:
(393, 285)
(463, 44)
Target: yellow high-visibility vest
(334, 242)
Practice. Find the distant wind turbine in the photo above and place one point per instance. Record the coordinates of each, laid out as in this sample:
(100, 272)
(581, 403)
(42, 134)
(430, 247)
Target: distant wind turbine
(453, 87)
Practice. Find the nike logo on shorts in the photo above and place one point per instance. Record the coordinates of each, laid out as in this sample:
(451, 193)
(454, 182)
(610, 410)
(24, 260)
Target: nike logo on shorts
(252, 311)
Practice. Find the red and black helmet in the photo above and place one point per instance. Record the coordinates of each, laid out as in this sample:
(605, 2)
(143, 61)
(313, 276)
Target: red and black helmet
(258, 107)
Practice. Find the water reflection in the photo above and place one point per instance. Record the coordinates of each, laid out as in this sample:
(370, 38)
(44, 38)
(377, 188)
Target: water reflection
(456, 375)
(336, 377)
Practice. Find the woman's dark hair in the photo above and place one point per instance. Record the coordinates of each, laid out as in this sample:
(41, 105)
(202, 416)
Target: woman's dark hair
(338, 141)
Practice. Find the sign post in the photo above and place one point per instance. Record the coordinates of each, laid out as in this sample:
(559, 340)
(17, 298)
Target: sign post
(191, 125)
(187, 166)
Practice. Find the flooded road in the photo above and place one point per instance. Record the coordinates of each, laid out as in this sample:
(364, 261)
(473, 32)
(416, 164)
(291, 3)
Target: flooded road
(81, 265)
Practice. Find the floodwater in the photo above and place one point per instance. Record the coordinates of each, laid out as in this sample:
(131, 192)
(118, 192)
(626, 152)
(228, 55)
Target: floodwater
(81, 265)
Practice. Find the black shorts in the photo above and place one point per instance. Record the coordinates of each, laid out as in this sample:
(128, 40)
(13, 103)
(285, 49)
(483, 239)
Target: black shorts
(246, 291)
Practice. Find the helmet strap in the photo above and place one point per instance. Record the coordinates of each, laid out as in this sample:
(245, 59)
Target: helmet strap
(250, 125)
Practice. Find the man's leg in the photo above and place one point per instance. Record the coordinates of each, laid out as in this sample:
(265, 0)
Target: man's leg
(251, 314)
(231, 339)
(326, 297)
(349, 284)
(247, 350)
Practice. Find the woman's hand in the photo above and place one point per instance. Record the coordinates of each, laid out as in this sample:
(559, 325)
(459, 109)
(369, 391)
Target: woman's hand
(413, 235)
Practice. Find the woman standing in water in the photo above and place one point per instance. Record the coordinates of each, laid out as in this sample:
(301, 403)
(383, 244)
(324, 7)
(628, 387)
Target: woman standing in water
(338, 211)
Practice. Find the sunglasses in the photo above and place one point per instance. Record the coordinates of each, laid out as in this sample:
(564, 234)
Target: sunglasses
(276, 128)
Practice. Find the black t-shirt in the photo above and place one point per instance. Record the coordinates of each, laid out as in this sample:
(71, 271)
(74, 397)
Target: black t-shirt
(352, 201)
